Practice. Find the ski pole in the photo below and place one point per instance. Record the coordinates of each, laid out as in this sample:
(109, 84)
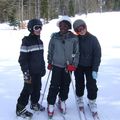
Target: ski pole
(75, 96)
(45, 87)
(74, 92)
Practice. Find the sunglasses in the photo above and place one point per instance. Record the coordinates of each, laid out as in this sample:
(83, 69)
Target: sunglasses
(81, 28)
(37, 27)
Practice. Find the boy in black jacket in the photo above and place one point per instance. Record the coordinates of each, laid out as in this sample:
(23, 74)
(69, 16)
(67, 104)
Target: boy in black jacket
(89, 62)
(32, 64)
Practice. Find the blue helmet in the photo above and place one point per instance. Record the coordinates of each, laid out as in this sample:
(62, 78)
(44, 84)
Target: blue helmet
(32, 23)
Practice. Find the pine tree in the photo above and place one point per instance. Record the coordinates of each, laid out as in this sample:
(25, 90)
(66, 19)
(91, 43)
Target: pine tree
(71, 8)
(44, 9)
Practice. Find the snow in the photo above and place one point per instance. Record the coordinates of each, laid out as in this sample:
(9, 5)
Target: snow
(103, 25)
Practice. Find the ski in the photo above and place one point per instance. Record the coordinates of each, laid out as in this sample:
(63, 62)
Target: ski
(94, 114)
(82, 113)
(62, 114)
(50, 118)
(23, 118)
(56, 117)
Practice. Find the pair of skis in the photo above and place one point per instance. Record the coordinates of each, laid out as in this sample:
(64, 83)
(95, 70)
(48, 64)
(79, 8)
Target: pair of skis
(81, 111)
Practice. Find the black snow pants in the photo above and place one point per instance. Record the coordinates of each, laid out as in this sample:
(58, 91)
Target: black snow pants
(31, 91)
(82, 74)
(60, 82)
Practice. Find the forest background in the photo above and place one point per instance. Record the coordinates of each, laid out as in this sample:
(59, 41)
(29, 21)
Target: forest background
(16, 11)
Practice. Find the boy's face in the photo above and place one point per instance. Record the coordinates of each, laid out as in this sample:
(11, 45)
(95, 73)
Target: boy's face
(63, 27)
(81, 30)
(37, 29)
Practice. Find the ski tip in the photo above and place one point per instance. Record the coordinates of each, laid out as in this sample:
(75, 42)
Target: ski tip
(95, 116)
(27, 118)
(50, 118)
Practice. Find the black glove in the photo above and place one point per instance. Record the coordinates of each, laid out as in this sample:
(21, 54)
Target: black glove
(42, 73)
(27, 77)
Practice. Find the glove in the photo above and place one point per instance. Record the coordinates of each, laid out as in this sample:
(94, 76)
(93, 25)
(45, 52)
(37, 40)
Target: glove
(43, 71)
(94, 75)
(71, 68)
(49, 67)
(26, 76)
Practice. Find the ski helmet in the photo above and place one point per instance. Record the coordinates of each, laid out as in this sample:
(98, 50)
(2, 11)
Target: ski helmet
(32, 23)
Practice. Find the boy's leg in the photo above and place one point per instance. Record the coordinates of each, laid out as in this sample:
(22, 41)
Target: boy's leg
(35, 96)
(54, 85)
(92, 90)
(23, 101)
(54, 89)
(91, 84)
(24, 95)
(36, 87)
(64, 85)
(79, 81)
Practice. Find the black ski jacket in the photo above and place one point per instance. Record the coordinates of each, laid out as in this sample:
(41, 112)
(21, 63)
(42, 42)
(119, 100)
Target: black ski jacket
(31, 55)
(90, 51)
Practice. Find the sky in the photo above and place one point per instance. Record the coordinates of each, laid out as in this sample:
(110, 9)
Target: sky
(105, 26)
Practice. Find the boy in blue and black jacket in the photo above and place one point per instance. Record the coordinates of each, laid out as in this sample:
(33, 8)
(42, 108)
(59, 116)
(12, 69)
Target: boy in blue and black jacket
(32, 64)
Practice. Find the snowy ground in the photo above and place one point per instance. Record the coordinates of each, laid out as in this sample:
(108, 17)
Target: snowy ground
(106, 27)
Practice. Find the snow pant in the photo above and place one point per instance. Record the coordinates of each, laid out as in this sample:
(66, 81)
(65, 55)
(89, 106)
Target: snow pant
(82, 74)
(30, 90)
(60, 82)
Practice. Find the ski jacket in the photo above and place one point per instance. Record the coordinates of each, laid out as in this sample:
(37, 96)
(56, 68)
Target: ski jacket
(31, 55)
(63, 48)
(90, 51)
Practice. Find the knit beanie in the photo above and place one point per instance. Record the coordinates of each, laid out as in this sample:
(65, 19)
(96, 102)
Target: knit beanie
(66, 20)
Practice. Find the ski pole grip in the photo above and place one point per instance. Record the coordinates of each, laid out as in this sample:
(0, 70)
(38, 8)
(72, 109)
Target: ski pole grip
(67, 62)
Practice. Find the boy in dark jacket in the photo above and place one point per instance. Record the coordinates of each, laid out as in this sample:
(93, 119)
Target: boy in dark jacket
(63, 57)
(89, 61)
(32, 64)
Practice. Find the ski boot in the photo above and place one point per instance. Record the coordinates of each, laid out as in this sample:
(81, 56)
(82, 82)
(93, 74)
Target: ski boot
(62, 106)
(93, 106)
(37, 107)
(50, 111)
(22, 112)
(80, 102)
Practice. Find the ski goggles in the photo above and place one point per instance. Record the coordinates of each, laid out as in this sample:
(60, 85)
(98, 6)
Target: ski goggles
(37, 27)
